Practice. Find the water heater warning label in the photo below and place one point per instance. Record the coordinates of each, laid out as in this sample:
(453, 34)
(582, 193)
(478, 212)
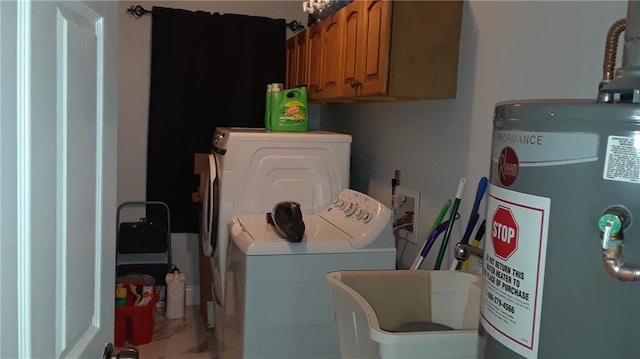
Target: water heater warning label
(513, 268)
(623, 159)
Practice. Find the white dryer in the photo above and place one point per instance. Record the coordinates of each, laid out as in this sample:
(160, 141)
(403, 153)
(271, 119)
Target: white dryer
(253, 169)
(282, 306)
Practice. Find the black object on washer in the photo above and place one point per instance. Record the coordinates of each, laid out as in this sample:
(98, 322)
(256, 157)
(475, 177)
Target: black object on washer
(287, 222)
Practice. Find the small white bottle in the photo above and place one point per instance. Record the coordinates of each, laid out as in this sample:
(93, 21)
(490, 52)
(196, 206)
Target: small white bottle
(175, 295)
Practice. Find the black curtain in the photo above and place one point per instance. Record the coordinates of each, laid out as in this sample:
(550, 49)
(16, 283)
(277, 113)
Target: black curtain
(207, 70)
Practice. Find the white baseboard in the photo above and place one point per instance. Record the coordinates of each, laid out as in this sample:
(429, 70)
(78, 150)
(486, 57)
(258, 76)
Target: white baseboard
(192, 295)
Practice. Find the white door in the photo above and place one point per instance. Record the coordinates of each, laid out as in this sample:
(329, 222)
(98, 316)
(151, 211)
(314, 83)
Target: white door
(57, 177)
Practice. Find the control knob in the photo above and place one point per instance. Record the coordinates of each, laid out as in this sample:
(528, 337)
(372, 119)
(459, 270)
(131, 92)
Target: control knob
(352, 209)
(367, 217)
(338, 203)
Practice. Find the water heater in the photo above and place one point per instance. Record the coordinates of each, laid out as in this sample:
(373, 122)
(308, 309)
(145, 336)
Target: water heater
(563, 208)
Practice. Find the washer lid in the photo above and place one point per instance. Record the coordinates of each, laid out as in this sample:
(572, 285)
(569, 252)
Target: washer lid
(254, 236)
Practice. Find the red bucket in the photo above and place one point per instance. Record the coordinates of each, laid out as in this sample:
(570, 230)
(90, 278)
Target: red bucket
(134, 323)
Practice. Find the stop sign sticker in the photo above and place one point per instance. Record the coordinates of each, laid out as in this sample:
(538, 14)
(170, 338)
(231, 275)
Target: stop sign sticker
(513, 268)
(504, 233)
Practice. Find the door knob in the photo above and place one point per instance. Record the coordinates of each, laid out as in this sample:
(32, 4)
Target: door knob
(128, 353)
(108, 351)
(125, 353)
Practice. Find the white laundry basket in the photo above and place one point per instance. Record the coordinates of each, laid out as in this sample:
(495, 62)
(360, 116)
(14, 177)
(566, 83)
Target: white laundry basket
(368, 301)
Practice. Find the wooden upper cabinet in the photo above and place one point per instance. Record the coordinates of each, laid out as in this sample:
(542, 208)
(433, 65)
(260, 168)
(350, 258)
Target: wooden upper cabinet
(352, 49)
(301, 59)
(423, 58)
(292, 63)
(383, 50)
(314, 67)
(297, 61)
(331, 40)
(375, 37)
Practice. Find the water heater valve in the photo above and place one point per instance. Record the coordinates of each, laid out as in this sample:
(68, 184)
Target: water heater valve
(611, 224)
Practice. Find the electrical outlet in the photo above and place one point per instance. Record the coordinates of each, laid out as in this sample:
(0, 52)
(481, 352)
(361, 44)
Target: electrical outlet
(407, 213)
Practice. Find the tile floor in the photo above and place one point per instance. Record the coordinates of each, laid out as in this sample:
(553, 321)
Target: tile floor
(180, 338)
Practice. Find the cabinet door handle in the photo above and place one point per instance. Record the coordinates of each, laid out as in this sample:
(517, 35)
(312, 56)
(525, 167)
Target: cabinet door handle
(354, 84)
(358, 84)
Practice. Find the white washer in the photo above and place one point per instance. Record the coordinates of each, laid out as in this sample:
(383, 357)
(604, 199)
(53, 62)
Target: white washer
(282, 306)
(255, 169)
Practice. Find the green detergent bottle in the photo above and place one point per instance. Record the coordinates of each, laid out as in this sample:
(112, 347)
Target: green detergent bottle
(271, 89)
(267, 109)
(289, 110)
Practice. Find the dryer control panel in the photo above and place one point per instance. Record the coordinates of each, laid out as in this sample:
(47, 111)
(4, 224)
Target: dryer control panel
(363, 218)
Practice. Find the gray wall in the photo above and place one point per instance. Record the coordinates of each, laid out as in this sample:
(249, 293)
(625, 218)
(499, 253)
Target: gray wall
(134, 77)
(509, 50)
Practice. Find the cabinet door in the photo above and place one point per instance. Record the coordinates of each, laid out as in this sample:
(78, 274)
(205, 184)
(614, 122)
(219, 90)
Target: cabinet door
(292, 63)
(377, 33)
(331, 41)
(301, 59)
(314, 69)
(352, 49)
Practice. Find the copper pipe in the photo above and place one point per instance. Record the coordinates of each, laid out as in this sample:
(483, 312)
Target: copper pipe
(612, 258)
(611, 49)
(616, 267)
